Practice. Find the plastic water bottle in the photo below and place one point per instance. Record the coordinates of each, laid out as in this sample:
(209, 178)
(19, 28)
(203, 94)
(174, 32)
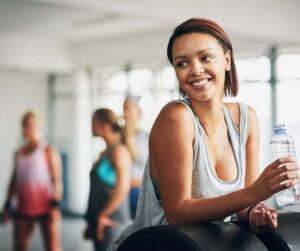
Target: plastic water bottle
(282, 145)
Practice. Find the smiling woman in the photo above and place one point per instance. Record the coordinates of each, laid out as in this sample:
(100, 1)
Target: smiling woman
(217, 34)
(198, 59)
(209, 147)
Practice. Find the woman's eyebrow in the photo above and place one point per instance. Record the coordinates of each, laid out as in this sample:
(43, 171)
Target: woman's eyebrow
(198, 53)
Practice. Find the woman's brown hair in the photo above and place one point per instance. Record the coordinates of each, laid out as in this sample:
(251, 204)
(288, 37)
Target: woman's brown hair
(105, 115)
(28, 115)
(211, 28)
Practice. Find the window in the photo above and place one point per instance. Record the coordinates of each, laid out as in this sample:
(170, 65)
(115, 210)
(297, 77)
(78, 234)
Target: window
(288, 91)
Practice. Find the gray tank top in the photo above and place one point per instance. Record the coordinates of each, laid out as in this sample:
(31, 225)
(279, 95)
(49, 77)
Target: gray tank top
(205, 182)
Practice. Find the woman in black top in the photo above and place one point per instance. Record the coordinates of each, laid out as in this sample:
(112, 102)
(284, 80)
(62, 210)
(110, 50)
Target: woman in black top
(108, 208)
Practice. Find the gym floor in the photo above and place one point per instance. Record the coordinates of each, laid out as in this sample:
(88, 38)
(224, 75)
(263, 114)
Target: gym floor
(72, 240)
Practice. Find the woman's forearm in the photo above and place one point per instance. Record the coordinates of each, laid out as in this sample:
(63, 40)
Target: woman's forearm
(210, 209)
(117, 196)
(136, 182)
(57, 189)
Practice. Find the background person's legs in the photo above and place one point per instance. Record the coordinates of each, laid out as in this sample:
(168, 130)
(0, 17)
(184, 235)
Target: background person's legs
(22, 233)
(51, 232)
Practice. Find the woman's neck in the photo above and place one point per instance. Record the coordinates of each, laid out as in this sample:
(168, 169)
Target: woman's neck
(112, 139)
(210, 114)
(32, 142)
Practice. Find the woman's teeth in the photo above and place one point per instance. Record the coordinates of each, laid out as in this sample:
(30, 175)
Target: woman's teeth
(201, 82)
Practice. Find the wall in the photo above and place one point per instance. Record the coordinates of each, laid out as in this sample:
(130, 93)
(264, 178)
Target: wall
(72, 135)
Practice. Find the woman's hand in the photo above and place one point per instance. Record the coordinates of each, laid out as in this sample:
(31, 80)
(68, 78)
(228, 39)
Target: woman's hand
(5, 218)
(87, 235)
(262, 217)
(103, 222)
(54, 214)
(279, 175)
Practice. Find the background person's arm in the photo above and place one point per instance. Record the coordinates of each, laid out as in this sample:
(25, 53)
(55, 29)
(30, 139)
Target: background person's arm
(55, 168)
(10, 193)
(121, 160)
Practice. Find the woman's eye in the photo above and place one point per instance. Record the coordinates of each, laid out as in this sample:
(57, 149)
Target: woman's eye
(181, 64)
(207, 58)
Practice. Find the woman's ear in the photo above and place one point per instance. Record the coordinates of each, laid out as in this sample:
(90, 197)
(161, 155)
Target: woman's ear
(228, 60)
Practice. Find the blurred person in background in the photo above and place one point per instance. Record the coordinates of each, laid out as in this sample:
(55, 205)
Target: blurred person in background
(136, 140)
(37, 187)
(108, 208)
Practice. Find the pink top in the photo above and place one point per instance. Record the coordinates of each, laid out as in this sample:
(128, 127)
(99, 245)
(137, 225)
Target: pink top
(33, 182)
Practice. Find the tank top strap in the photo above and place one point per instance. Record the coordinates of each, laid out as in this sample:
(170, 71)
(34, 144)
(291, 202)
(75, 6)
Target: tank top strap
(239, 137)
(196, 126)
(243, 123)
(42, 146)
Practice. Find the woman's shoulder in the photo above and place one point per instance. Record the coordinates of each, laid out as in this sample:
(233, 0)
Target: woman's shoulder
(232, 107)
(235, 112)
(235, 107)
(174, 118)
(175, 110)
(120, 149)
(50, 150)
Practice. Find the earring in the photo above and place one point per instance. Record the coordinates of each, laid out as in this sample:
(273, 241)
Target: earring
(183, 93)
(228, 68)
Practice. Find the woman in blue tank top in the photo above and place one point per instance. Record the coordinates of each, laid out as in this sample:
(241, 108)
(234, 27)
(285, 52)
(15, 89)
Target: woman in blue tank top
(203, 154)
(108, 208)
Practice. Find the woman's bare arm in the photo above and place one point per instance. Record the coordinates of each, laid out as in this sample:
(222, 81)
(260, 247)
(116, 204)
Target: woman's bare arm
(11, 185)
(10, 193)
(121, 160)
(171, 153)
(55, 167)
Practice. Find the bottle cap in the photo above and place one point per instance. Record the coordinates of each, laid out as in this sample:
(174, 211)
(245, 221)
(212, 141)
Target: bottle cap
(279, 128)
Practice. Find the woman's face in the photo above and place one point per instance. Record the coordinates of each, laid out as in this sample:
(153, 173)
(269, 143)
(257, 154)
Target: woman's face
(131, 111)
(97, 128)
(200, 65)
(30, 129)
(100, 129)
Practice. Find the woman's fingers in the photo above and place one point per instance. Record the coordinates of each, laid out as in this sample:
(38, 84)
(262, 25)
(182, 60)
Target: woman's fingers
(273, 213)
(279, 175)
(100, 231)
(292, 175)
(112, 223)
(281, 186)
(263, 216)
(283, 168)
(280, 162)
(289, 167)
(257, 220)
(263, 220)
(271, 221)
(283, 177)
(104, 222)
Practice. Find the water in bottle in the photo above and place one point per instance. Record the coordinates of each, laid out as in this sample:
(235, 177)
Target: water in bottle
(282, 145)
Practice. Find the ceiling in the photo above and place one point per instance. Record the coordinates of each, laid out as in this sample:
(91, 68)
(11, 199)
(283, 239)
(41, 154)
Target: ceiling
(59, 35)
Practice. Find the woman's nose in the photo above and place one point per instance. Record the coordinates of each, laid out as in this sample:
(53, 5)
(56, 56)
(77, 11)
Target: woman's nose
(197, 68)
